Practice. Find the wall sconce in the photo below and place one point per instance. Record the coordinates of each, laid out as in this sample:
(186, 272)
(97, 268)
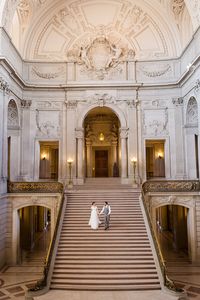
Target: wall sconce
(69, 162)
(101, 137)
(134, 163)
(160, 155)
(44, 156)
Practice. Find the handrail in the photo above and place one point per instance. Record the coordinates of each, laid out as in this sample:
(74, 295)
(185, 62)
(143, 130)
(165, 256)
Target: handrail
(41, 284)
(168, 283)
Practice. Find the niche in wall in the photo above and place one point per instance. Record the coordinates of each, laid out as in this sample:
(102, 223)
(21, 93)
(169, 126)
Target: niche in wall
(155, 158)
(49, 160)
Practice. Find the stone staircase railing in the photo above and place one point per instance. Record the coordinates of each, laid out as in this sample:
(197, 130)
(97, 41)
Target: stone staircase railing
(165, 186)
(35, 187)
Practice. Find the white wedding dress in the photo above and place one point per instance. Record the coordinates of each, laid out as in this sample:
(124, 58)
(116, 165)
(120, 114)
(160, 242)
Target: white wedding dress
(94, 218)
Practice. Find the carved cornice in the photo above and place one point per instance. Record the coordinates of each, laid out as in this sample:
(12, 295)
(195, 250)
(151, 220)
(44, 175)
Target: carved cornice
(171, 186)
(26, 104)
(177, 101)
(35, 187)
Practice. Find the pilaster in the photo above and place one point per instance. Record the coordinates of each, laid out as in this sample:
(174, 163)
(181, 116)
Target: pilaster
(25, 140)
(179, 138)
(4, 97)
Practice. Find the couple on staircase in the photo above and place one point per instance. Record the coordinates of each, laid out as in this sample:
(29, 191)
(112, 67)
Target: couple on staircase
(94, 221)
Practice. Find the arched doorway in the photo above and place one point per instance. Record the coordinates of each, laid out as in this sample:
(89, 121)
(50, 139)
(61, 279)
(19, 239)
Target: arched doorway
(102, 143)
(172, 231)
(34, 233)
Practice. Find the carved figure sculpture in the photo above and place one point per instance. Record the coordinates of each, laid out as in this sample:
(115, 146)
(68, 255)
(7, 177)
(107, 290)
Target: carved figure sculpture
(114, 57)
(83, 56)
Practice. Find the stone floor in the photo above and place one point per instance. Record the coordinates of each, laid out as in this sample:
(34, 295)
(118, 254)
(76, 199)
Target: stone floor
(14, 281)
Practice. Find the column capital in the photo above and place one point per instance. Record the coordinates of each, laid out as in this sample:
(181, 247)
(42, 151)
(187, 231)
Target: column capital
(79, 132)
(71, 104)
(177, 101)
(123, 133)
(4, 85)
(25, 104)
(197, 86)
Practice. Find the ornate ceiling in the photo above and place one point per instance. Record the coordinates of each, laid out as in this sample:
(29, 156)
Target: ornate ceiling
(53, 30)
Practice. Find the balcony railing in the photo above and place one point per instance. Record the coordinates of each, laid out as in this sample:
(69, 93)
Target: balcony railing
(35, 187)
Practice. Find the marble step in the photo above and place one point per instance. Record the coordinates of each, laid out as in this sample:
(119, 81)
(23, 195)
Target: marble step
(109, 287)
(117, 259)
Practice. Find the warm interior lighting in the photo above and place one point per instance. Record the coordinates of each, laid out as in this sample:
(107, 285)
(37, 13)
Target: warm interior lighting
(101, 137)
(160, 155)
(133, 160)
(70, 161)
(44, 156)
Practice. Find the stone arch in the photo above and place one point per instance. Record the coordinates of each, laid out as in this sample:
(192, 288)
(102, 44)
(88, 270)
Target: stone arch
(114, 108)
(184, 201)
(192, 112)
(21, 201)
(13, 115)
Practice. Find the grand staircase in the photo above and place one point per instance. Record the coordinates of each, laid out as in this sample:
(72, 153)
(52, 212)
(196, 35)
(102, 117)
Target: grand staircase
(116, 259)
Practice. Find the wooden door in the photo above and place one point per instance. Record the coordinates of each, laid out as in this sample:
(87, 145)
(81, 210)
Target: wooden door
(101, 163)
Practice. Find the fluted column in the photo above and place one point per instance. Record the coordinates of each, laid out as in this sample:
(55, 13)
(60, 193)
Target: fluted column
(89, 157)
(179, 137)
(123, 136)
(79, 137)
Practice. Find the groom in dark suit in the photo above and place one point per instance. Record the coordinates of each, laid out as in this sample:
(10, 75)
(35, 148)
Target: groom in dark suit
(106, 210)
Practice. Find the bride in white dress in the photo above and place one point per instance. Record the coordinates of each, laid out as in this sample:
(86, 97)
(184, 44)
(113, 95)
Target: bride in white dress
(94, 217)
